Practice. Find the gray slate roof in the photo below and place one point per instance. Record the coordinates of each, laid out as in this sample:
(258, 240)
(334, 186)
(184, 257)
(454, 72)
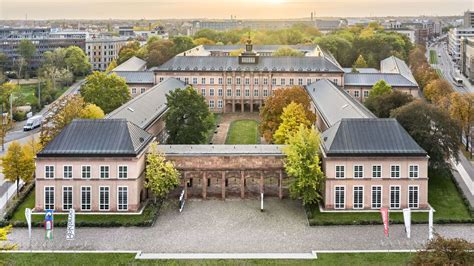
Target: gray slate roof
(369, 137)
(100, 137)
(394, 64)
(132, 64)
(369, 79)
(266, 63)
(144, 109)
(137, 77)
(334, 103)
(208, 150)
(363, 70)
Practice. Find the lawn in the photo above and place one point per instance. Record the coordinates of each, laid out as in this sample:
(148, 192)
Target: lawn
(27, 94)
(433, 57)
(443, 196)
(145, 219)
(128, 259)
(243, 132)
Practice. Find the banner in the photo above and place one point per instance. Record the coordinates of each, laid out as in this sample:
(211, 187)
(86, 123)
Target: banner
(384, 212)
(430, 224)
(181, 201)
(28, 220)
(48, 224)
(71, 220)
(407, 220)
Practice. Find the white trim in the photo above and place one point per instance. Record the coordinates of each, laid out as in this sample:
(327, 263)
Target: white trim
(100, 171)
(344, 187)
(108, 209)
(82, 171)
(372, 194)
(72, 172)
(399, 171)
(399, 197)
(381, 171)
(118, 171)
(90, 198)
(118, 209)
(54, 171)
(54, 197)
(417, 171)
(72, 197)
(363, 197)
(417, 196)
(353, 171)
(335, 171)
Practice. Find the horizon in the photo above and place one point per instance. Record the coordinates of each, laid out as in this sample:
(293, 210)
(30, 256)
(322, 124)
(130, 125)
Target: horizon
(219, 10)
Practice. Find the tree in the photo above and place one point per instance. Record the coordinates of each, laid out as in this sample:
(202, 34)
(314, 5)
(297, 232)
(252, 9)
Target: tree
(437, 89)
(432, 128)
(26, 49)
(203, 41)
(76, 61)
(159, 52)
(360, 62)
(106, 91)
(111, 66)
(271, 112)
(292, 117)
(6, 90)
(380, 88)
(92, 111)
(382, 105)
(4, 231)
(128, 51)
(444, 251)
(287, 51)
(462, 109)
(161, 175)
(16, 165)
(188, 119)
(302, 165)
(182, 43)
(55, 75)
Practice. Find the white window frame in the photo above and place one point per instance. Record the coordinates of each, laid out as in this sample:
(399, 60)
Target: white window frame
(343, 171)
(417, 196)
(82, 172)
(356, 94)
(203, 91)
(64, 172)
(373, 172)
(63, 198)
(372, 197)
(417, 171)
(90, 199)
(118, 202)
(359, 172)
(220, 104)
(54, 195)
(399, 197)
(126, 172)
(211, 92)
(108, 203)
(211, 104)
(100, 171)
(48, 173)
(399, 171)
(344, 198)
(353, 197)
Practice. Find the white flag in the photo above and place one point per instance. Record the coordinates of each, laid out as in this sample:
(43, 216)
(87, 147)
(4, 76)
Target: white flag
(430, 224)
(28, 220)
(71, 220)
(407, 220)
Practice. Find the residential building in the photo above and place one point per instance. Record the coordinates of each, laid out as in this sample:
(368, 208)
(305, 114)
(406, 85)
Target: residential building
(468, 19)
(467, 58)
(455, 37)
(101, 51)
(93, 166)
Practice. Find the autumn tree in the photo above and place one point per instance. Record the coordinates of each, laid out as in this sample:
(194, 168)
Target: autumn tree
(382, 105)
(302, 165)
(160, 175)
(287, 51)
(188, 119)
(158, 52)
(128, 51)
(111, 66)
(271, 112)
(17, 165)
(433, 129)
(292, 117)
(380, 88)
(437, 89)
(76, 61)
(360, 62)
(92, 111)
(461, 108)
(444, 251)
(4, 232)
(203, 41)
(26, 49)
(106, 91)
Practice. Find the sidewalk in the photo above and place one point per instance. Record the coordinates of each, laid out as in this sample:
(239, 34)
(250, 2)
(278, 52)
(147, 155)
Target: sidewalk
(463, 172)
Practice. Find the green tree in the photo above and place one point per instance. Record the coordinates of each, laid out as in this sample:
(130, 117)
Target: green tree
(188, 119)
(159, 52)
(380, 88)
(161, 175)
(382, 105)
(106, 91)
(26, 49)
(292, 117)
(302, 165)
(271, 112)
(360, 62)
(111, 66)
(76, 61)
(182, 43)
(17, 165)
(433, 129)
(128, 51)
(287, 51)
(444, 251)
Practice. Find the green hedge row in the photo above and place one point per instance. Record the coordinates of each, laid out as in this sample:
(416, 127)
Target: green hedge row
(24, 192)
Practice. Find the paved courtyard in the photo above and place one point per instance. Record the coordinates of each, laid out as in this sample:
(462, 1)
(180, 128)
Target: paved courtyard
(236, 226)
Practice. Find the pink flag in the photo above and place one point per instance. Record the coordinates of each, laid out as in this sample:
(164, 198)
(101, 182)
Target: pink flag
(384, 212)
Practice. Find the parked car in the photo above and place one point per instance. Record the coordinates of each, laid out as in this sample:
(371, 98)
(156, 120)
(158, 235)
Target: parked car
(33, 122)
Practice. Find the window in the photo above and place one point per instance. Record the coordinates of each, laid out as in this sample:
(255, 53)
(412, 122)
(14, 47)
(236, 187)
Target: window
(282, 81)
(247, 92)
(86, 198)
(219, 92)
(186, 80)
(413, 197)
(358, 171)
(356, 94)
(220, 81)
(219, 104)
(238, 81)
(161, 79)
(358, 192)
(67, 198)
(203, 80)
(104, 198)
(211, 104)
(229, 81)
(67, 171)
(104, 171)
(237, 92)
(340, 171)
(395, 171)
(292, 81)
(49, 171)
(308, 81)
(339, 197)
(142, 90)
(336, 81)
(376, 171)
(247, 81)
(122, 198)
(265, 81)
(255, 81)
(123, 171)
(211, 81)
(413, 171)
(395, 197)
(376, 197)
(255, 93)
(274, 81)
(86, 171)
(211, 92)
(49, 198)
(229, 92)
(300, 81)
(134, 91)
(195, 81)
(366, 94)
(203, 92)
(265, 92)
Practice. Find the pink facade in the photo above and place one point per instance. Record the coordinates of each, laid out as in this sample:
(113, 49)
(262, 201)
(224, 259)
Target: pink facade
(361, 93)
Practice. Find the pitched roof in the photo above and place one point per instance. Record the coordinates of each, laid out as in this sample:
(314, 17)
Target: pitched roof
(132, 64)
(100, 137)
(363, 70)
(144, 109)
(369, 79)
(265, 63)
(138, 77)
(394, 64)
(369, 137)
(334, 103)
(200, 150)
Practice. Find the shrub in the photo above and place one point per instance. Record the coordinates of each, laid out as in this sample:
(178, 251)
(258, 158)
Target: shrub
(19, 116)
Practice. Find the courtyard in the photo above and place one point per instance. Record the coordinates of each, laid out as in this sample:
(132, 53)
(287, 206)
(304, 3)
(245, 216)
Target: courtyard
(238, 128)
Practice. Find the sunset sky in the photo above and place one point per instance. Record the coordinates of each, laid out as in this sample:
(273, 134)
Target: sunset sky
(220, 9)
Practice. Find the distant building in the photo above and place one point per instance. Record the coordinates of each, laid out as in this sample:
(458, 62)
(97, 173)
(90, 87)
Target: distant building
(126, 31)
(410, 33)
(102, 51)
(467, 58)
(455, 37)
(468, 19)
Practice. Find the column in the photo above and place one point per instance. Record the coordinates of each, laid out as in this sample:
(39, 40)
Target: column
(223, 185)
(233, 105)
(251, 105)
(280, 192)
(242, 187)
(204, 185)
(185, 185)
(261, 182)
(241, 104)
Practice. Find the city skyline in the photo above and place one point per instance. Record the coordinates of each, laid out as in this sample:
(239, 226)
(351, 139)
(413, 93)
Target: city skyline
(213, 9)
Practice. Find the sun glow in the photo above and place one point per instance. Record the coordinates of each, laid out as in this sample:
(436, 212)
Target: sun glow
(275, 2)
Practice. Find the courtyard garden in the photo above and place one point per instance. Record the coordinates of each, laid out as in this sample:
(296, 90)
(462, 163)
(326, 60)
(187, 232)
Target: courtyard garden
(243, 132)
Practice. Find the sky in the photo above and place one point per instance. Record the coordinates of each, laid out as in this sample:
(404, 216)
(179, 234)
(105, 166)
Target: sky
(223, 9)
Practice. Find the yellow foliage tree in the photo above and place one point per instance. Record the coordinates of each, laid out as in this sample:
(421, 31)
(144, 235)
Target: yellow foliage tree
(92, 111)
(17, 164)
(4, 231)
(437, 89)
(292, 117)
(461, 108)
(111, 66)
